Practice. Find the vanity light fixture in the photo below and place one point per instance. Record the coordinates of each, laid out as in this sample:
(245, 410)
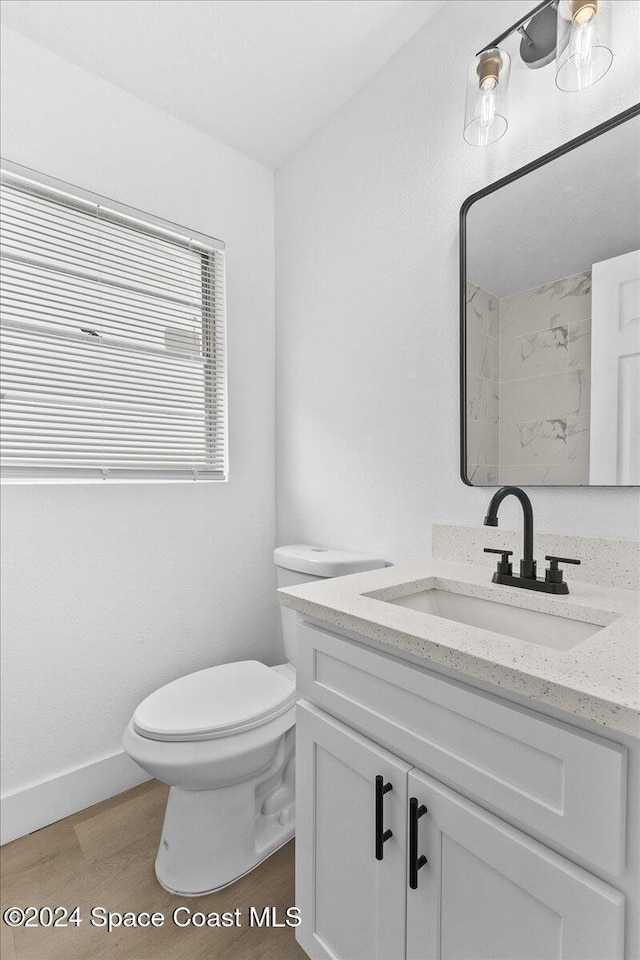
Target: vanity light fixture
(574, 33)
(584, 52)
(486, 115)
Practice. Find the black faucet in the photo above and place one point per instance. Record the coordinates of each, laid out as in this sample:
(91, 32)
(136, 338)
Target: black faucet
(553, 581)
(527, 564)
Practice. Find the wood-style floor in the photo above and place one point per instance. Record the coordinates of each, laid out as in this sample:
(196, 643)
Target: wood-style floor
(103, 857)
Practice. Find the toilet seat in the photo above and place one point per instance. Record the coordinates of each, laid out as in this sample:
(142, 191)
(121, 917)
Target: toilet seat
(216, 702)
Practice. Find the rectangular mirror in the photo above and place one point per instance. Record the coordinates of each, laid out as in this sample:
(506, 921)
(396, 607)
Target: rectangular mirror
(550, 318)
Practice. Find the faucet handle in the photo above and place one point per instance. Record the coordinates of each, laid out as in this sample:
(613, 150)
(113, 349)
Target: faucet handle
(553, 574)
(504, 566)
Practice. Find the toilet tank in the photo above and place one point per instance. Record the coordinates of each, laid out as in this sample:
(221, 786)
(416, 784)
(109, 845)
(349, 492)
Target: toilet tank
(303, 563)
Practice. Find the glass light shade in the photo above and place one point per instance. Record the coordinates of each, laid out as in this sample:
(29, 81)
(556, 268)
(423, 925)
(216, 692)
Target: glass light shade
(487, 86)
(584, 47)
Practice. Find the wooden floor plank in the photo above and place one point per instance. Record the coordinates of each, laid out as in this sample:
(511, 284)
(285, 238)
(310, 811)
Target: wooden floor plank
(131, 826)
(104, 857)
(7, 944)
(149, 786)
(38, 848)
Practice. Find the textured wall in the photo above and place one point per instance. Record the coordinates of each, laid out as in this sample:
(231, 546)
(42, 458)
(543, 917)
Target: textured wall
(367, 292)
(113, 589)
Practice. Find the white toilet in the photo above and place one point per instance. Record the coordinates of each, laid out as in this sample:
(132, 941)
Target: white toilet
(224, 740)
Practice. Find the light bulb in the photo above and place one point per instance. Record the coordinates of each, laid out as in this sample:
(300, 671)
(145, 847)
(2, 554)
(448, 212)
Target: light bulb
(488, 104)
(582, 43)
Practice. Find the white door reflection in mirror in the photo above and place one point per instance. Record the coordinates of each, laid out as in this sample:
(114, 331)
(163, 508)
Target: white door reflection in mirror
(615, 371)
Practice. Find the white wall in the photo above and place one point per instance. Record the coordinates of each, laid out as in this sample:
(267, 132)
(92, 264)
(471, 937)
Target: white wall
(111, 590)
(367, 292)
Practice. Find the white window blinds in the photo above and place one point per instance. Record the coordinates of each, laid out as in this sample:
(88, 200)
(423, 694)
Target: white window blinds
(112, 340)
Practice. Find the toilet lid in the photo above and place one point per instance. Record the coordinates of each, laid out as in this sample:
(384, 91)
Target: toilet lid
(215, 702)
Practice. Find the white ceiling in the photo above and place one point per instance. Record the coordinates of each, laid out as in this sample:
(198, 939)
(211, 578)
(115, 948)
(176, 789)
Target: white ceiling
(260, 75)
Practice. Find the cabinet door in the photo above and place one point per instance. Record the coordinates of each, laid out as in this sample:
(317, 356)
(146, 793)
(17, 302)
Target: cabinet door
(489, 891)
(353, 906)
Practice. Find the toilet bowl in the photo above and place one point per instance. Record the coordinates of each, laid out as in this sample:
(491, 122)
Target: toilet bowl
(229, 766)
(223, 739)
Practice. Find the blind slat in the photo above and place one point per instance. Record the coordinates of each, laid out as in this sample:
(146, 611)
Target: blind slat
(42, 219)
(152, 230)
(112, 342)
(31, 337)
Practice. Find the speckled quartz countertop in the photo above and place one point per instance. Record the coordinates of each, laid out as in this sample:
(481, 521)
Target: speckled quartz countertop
(598, 679)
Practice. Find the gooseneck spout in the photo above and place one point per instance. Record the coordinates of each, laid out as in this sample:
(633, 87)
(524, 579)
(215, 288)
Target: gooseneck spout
(527, 564)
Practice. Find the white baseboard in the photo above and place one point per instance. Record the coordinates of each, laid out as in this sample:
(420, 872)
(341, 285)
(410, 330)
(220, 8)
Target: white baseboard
(42, 803)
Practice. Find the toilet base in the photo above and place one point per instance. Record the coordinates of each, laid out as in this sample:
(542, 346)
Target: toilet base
(210, 838)
(204, 893)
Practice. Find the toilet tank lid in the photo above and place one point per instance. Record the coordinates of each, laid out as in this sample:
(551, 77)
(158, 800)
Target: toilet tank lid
(322, 561)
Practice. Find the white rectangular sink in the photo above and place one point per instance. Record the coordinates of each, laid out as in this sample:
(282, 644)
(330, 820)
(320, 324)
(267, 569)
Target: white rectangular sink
(546, 629)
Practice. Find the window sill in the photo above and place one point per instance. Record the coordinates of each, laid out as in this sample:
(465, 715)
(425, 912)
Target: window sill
(106, 481)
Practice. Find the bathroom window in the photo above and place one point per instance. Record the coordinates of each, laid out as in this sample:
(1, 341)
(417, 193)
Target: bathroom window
(113, 361)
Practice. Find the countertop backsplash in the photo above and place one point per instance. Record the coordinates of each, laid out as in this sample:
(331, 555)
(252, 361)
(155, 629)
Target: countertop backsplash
(610, 563)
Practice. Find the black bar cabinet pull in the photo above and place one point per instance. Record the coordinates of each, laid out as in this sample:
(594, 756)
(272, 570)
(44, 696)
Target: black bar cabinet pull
(382, 835)
(415, 862)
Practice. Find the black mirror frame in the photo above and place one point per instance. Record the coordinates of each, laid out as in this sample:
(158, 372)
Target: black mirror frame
(615, 121)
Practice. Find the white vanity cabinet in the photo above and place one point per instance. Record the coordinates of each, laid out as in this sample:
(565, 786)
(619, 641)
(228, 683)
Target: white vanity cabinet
(491, 887)
(353, 905)
(488, 891)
